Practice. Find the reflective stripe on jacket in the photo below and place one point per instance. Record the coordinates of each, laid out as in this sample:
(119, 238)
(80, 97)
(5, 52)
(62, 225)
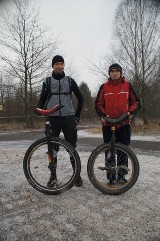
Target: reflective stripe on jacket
(60, 94)
(116, 98)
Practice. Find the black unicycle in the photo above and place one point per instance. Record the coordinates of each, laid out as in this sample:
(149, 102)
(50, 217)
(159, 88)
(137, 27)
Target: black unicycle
(113, 168)
(48, 153)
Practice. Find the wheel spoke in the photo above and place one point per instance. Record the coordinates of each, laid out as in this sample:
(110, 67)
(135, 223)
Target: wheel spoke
(113, 177)
(51, 173)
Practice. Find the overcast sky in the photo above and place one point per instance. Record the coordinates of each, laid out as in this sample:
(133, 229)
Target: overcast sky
(85, 28)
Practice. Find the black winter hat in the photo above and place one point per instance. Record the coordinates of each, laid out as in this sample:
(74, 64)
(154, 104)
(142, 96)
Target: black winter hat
(115, 66)
(57, 58)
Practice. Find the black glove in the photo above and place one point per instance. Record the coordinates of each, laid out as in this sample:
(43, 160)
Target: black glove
(76, 120)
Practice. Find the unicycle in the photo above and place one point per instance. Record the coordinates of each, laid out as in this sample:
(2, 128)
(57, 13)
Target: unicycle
(48, 153)
(113, 168)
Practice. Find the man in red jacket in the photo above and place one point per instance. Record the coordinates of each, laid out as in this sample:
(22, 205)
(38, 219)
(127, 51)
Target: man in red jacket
(114, 98)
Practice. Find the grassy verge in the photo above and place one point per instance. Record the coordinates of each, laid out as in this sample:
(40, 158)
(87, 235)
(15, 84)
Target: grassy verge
(14, 126)
(152, 128)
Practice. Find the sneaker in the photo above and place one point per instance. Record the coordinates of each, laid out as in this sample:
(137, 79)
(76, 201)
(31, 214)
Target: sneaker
(52, 182)
(79, 182)
(122, 179)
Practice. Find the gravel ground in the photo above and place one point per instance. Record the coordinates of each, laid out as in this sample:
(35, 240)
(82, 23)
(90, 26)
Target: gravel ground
(80, 214)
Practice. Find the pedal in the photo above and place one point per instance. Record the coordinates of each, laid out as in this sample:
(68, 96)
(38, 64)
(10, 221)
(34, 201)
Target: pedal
(124, 168)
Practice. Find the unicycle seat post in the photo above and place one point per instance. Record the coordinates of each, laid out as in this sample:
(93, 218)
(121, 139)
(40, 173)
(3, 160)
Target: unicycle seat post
(47, 129)
(113, 129)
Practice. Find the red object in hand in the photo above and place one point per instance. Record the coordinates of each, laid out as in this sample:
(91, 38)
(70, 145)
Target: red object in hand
(48, 112)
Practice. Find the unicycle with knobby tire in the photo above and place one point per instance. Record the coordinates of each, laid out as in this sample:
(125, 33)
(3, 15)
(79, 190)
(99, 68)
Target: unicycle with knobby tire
(48, 154)
(113, 168)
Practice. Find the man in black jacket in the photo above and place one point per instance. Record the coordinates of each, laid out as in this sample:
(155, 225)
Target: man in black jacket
(57, 89)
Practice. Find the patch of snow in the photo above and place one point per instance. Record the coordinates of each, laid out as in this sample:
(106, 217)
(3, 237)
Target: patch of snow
(80, 213)
(154, 138)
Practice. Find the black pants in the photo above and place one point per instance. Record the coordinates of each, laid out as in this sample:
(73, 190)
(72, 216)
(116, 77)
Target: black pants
(67, 125)
(122, 135)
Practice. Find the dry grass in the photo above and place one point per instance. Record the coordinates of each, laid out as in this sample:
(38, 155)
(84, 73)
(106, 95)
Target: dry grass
(152, 128)
(19, 126)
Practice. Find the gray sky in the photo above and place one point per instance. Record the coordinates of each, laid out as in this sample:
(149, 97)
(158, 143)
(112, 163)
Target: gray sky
(85, 28)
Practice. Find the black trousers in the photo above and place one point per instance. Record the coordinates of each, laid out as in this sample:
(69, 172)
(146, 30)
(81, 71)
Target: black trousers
(65, 124)
(122, 135)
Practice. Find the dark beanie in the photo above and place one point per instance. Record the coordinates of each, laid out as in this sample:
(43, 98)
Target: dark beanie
(56, 59)
(115, 66)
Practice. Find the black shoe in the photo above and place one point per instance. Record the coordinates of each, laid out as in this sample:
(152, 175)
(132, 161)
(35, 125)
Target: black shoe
(52, 183)
(122, 179)
(79, 182)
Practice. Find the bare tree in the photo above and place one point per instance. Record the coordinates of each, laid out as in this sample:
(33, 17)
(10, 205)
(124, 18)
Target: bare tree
(1, 93)
(88, 111)
(72, 71)
(26, 49)
(98, 68)
(137, 31)
(136, 46)
(7, 93)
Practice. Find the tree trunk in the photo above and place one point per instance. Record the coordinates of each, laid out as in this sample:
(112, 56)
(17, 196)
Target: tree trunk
(145, 121)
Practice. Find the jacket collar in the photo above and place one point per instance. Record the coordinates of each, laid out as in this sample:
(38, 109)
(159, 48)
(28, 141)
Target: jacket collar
(58, 76)
(116, 82)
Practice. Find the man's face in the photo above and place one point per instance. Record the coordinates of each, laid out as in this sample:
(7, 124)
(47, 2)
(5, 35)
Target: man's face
(115, 74)
(58, 67)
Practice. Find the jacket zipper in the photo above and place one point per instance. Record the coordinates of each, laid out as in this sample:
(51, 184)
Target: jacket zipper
(59, 97)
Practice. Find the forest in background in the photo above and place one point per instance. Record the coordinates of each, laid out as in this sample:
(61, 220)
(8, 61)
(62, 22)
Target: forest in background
(136, 46)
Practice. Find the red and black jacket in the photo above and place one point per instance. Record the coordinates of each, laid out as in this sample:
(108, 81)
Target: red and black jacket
(115, 98)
